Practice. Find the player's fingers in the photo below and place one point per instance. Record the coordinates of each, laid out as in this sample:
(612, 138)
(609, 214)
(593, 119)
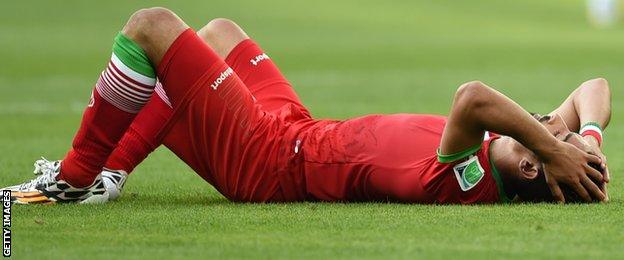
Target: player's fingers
(595, 174)
(555, 189)
(606, 191)
(581, 191)
(605, 168)
(593, 188)
(593, 158)
(603, 158)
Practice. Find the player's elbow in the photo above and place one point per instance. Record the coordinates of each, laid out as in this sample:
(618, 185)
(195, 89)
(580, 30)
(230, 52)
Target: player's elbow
(598, 85)
(472, 95)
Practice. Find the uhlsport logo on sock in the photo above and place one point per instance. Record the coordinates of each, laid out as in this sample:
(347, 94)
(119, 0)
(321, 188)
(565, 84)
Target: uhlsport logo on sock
(6, 223)
(224, 75)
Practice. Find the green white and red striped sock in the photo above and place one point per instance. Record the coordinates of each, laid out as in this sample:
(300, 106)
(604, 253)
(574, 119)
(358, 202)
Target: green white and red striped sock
(121, 91)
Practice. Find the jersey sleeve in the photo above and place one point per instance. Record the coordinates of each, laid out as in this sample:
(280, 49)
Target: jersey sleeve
(466, 177)
(449, 158)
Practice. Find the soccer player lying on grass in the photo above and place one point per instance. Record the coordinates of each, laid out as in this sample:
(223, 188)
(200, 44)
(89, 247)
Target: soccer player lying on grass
(240, 126)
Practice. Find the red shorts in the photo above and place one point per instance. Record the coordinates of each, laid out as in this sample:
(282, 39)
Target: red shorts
(232, 138)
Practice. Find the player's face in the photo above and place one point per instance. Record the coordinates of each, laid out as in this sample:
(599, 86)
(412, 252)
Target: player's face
(555, 125)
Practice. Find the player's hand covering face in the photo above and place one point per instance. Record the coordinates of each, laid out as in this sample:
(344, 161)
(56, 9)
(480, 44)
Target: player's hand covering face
(557, 127)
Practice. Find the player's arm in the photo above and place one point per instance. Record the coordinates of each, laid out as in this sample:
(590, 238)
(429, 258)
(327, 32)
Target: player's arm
(590, 102)
(477, 108)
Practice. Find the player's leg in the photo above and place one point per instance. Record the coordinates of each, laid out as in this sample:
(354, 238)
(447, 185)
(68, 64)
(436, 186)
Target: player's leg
(137, 143)
(122, 90)
(249, 61)
(261, 76)
(227, 130)
(140, 138)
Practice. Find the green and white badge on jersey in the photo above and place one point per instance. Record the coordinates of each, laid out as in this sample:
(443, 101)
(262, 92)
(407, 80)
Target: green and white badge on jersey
(469, 173)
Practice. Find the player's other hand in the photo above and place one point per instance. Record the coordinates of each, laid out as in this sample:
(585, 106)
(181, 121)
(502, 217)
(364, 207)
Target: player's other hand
(569, 165)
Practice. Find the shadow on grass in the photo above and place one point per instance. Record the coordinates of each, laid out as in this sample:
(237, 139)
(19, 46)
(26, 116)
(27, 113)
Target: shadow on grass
(201, 199)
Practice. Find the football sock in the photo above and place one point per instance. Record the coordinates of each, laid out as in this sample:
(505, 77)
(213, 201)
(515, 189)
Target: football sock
(121, 91)
(248, 61)
(142, 137)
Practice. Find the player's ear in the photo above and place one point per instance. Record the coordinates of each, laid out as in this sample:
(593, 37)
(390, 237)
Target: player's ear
(528, 169)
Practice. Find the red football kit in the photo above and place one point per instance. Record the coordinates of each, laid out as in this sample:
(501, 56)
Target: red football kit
(240, 126)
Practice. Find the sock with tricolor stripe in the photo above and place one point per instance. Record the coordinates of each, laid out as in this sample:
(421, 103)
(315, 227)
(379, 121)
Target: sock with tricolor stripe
(121, 91)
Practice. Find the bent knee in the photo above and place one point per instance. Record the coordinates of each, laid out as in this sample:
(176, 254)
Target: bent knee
(219, 26)
(222, 35)
(148, 20)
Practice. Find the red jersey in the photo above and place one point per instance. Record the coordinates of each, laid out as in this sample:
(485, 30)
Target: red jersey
(392, 157)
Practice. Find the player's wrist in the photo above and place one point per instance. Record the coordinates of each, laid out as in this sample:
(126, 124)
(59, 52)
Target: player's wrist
(551, 151)
(592, 132)
(592, 141)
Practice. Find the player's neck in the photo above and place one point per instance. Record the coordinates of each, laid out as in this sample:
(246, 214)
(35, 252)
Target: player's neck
(502, 159)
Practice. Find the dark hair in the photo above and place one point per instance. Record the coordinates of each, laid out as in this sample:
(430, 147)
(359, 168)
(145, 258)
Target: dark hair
(539, 117)
(537, 190)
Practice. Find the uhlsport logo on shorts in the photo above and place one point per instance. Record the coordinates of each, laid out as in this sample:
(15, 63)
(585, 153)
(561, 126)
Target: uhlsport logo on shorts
(6, 223)
(259, 58)
(224, 75)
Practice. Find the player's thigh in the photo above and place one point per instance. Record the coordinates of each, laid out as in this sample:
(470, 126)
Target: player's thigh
(175, 140)
(259, 73)
(263, 78)
(223, 142)
(226, 130)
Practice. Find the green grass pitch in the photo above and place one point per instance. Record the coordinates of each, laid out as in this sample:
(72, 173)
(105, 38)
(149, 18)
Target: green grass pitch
(345, 58)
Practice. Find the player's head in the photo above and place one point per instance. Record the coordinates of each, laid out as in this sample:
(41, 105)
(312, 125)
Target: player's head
(530, 183)
(523, 170)
(526, 171)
